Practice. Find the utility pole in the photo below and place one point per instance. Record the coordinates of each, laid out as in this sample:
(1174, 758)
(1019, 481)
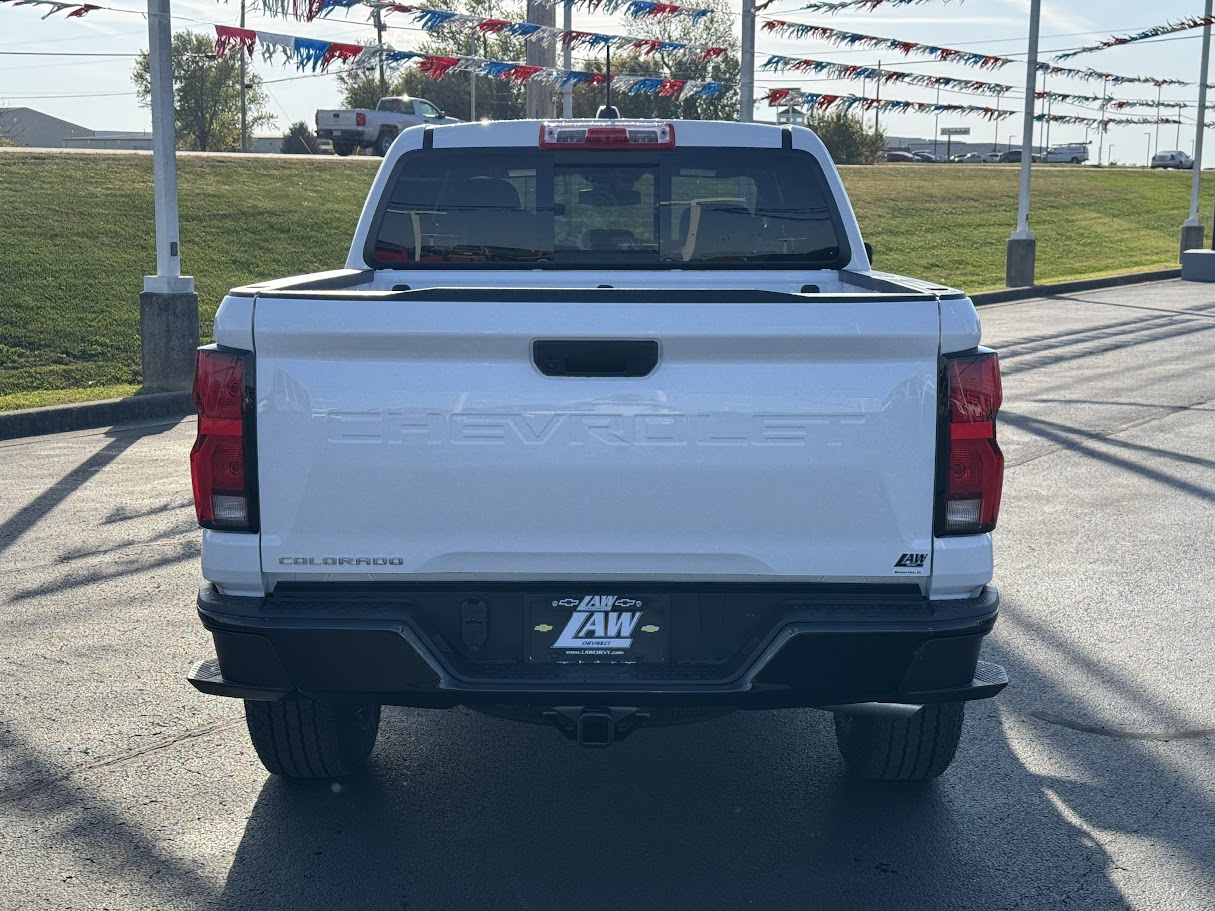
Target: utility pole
(936, 126)
(1105, 98)
(540, 101)
(244, 84)
(472, 80)
(379, 37)
(746, 78)
(1019, 266)
(1191, 231)
(877, 108)
(567, 61)
(1159, 89)
(1042, 126)
(168, 306)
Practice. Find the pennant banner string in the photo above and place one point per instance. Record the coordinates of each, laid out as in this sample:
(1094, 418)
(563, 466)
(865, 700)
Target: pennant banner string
(312, 54)
(307, 10)
(777, 63)
(820, 102)
(1183, 25)
(73, 10)
(839, 6)
(432, 20)
(800, 30)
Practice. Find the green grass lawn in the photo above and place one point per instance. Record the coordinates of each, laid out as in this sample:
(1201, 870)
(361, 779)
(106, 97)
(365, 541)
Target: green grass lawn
(77, 239)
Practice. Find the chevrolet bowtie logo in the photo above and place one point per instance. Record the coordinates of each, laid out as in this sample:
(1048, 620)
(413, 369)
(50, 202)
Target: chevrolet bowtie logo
(649, 628)
(544, 628)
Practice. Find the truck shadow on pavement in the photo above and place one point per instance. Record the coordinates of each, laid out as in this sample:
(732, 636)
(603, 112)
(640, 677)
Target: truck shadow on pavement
(460, 811)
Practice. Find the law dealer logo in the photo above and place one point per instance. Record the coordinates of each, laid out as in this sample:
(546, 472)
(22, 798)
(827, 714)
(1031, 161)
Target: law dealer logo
(598, 625)
(910, 564)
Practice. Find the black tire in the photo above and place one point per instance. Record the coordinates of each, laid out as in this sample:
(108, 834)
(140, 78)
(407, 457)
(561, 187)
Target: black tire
(306, 738)
(1075, 161)
(903, 749)
(343, 148)
(384, 142)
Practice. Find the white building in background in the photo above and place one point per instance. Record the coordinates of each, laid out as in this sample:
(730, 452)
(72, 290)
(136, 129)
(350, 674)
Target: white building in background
(36, 130)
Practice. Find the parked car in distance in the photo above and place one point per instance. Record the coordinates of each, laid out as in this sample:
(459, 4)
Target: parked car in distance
(1076, 153)
(992, 158)
(899, 157)
(1013, 156)
(1178, 160)
(925, 156)
(968, 158)
(363, 128)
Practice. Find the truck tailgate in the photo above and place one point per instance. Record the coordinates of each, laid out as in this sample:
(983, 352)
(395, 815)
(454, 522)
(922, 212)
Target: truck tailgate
(784, 440)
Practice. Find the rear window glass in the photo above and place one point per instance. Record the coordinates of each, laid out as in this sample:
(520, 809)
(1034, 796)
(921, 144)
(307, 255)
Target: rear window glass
(625, 209)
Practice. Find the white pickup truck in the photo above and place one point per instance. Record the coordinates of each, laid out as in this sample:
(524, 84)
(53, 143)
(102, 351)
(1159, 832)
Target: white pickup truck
(605, 424)
(362, 128)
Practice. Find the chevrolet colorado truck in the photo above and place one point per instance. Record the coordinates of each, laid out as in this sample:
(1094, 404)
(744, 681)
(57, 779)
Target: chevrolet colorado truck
(605, 424)
(363, 128)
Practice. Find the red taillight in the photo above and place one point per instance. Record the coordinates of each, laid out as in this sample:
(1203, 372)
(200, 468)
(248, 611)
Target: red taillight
(223, 489)
(973, 468)
(607, 134)
(360, 119)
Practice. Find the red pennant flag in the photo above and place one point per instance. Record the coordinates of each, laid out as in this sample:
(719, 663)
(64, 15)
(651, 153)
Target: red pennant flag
(227, 36)
(341, 52)
(437, 67)
(523, 73)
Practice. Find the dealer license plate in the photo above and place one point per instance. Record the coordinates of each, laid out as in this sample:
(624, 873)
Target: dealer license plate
(597, 628)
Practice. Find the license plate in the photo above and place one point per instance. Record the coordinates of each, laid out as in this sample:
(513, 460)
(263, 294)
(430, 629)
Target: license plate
(597, 628)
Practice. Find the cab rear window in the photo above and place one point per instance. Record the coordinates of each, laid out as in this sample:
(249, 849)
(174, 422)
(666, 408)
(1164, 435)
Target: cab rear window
(536, 208)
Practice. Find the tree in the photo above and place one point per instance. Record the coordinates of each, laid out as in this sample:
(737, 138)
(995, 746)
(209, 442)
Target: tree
(847, 138)
(206, 94)
(505, 100)
(497, 99)
(298, 140)
(715, 30)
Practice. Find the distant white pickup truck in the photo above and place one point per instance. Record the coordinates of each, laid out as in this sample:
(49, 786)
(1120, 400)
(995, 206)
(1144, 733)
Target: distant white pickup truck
(363, 128)
(605, 424)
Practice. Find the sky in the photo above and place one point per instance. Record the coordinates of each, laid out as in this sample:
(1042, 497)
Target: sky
(96, 92)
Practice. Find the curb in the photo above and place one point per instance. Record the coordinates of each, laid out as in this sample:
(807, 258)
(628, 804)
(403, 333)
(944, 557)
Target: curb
(33, 422)
(1088, 284)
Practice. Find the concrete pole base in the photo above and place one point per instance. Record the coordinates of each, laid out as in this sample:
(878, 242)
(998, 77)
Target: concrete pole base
(1198, 265)
(1019, 267)
(168, 336)
(1191, 238)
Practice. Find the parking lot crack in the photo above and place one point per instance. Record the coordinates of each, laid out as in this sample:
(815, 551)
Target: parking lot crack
(39, 784)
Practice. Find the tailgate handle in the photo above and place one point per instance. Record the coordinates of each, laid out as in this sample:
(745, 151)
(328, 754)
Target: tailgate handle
(595, 357)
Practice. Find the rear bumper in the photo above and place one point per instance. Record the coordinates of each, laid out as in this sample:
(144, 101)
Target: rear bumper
(802, 648)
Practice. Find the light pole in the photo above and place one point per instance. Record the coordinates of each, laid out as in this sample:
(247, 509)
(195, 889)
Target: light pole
(1148, 136)
(1010, 139)
(1192, 230)
(567, 61)
(244, 110)
(1019, 265)
(1111, 154)
(168, 306)
(746, 76)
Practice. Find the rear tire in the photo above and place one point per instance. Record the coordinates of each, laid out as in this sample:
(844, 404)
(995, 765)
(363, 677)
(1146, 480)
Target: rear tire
(307, 738)
(343, 148)
(901, 749)
(384, 142)
(1075, 161)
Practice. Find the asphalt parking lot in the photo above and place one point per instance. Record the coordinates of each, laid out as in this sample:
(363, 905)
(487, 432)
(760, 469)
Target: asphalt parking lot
(1090, 783)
